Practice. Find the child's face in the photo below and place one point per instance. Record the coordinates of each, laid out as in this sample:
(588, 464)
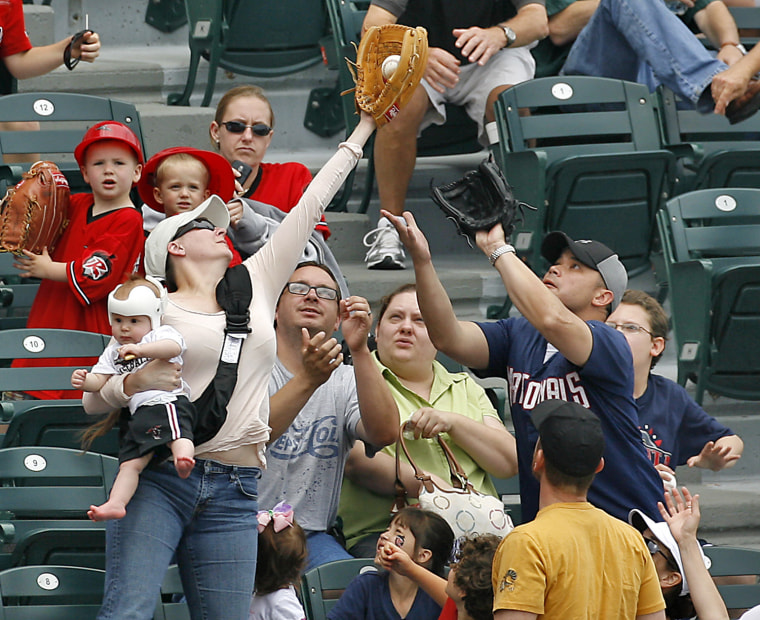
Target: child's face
(129, 329)
(399, 535)
(183, 186)
(110, 169)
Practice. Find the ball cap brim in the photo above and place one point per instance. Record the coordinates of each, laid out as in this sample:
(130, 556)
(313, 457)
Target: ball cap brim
(221, 178)
(593, 254)
(661, 531)
(214, 209)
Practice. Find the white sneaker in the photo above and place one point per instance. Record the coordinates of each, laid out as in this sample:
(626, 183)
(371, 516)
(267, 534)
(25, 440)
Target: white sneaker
(385, 248)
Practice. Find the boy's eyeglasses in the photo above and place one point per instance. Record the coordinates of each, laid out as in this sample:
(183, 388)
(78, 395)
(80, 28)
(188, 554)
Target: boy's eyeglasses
(201, 223)
(323, 292)
(628, 328)
(260, 129)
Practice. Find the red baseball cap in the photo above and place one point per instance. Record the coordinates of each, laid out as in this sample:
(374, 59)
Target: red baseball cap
(108, 130)
(221, 178)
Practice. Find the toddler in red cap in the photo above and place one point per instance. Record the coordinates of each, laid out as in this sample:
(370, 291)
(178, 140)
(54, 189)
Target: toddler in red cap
(102, 243)
(179, 179)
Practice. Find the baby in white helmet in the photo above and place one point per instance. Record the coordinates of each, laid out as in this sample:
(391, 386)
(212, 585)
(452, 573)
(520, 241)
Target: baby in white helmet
(160, 423)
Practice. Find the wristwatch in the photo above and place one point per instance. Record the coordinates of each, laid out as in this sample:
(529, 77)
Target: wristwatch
(504, 249)
(510, 34)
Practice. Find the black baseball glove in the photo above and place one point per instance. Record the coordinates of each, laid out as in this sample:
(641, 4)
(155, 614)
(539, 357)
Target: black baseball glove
(479, 201)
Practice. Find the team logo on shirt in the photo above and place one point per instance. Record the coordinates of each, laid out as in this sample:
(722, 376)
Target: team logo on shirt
(155, 432)
(97, 266)
(653, 444)
(508, 582)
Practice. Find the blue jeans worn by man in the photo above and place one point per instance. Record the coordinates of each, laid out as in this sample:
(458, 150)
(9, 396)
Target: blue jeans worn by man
(643, 41)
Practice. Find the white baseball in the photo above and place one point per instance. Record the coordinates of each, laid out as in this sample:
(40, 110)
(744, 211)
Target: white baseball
(390, 64)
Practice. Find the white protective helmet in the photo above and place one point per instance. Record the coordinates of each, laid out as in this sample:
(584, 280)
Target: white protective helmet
(142, 301)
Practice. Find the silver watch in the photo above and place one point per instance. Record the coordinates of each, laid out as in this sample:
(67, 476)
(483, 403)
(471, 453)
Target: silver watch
(510, 34)
(500, 251)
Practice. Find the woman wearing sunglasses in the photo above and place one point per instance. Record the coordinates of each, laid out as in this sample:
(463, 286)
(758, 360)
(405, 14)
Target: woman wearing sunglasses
(242, 131)
(208, 520)
(681, 565)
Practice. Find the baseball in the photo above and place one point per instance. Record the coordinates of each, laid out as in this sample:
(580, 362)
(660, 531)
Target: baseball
(390, 64)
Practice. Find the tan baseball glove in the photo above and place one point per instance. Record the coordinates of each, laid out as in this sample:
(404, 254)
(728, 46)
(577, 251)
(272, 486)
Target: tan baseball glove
(35, 211)
(380, 97)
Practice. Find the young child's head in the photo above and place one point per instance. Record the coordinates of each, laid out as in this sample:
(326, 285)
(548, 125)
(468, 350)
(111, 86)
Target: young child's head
(135, 308)
(110, 158)
(181, 178)
(282, 550)
(423, 535)
(470, 576)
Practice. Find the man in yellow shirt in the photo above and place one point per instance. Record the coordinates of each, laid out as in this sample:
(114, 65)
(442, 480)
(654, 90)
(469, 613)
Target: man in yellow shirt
(573, 561)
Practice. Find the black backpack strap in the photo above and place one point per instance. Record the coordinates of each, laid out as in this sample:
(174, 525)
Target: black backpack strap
(234, 294)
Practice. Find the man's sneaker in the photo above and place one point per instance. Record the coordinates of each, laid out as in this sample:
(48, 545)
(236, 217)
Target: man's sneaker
(385, 249)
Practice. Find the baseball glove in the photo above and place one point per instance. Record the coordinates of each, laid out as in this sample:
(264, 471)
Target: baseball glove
(35, 211)
(479, 201)
(374, 94)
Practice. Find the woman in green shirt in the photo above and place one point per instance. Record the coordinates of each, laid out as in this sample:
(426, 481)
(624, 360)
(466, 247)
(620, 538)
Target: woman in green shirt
(431, 401)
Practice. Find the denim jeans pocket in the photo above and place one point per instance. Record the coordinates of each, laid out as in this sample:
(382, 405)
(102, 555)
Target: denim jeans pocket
(247, 482)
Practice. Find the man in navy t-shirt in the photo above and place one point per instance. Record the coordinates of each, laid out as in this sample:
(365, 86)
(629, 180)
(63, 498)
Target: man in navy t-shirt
(561, 348)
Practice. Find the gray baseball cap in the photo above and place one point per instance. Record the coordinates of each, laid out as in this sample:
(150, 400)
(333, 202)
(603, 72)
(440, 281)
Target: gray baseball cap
(593, 254)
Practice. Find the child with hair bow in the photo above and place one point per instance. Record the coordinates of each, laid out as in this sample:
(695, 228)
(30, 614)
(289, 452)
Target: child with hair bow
(281, 558)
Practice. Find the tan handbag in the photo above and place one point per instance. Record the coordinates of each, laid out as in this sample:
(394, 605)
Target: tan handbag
(466, 510)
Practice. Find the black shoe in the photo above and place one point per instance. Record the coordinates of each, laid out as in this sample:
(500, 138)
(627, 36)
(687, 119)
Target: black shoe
(741, 108)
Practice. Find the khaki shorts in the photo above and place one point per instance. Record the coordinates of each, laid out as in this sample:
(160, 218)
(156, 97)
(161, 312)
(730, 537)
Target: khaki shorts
(507, 66)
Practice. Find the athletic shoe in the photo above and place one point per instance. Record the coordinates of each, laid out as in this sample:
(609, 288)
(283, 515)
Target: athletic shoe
(385, 248)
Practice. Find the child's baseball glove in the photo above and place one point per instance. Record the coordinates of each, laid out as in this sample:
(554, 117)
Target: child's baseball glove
(35, 211)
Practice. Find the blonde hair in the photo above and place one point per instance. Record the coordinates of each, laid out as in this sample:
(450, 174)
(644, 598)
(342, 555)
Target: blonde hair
(178, 159)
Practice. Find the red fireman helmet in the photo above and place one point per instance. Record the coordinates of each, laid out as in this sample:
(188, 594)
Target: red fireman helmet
(108, 130)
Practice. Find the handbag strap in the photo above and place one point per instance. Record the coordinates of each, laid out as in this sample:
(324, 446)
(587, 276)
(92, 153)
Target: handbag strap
(457, 475)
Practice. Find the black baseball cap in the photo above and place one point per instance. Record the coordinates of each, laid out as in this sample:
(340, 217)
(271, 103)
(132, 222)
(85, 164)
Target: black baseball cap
(592, 254)
(571, 436)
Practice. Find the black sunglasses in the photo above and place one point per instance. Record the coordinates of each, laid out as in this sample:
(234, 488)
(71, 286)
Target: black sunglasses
(260, 129)
(654, 547)
(201, 223)
(301, 288)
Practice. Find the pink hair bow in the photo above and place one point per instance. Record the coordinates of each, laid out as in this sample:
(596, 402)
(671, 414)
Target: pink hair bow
(281, 516)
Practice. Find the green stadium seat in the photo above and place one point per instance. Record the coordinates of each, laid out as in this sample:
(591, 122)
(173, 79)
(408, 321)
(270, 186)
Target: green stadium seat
(63, 119)
(733, 562)
(321, 587)
(712, 152)
(589, 157)
(711, 248)
(251, 38)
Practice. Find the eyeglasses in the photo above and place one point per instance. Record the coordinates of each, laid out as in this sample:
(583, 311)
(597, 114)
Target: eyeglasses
(654, 548)
(301, 288)
(260, 129)
(201, 223)
(629, 328)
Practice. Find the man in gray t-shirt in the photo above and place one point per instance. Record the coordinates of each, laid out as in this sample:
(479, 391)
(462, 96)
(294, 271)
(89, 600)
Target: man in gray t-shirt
(319, 406)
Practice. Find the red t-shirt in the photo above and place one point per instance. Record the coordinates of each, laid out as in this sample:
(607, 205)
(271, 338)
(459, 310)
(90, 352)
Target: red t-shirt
(282, 185)
(13, 36)
(449, 611)
(99, 252)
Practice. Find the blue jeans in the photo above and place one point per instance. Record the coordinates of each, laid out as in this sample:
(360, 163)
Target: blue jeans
(323, 548)
(208, 520)
(642, 41)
